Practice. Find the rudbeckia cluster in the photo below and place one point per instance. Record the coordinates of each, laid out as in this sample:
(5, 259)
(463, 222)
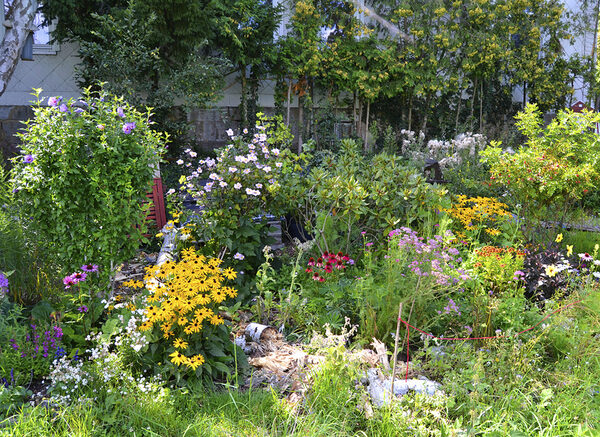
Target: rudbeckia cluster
(477, 213)
(183, 298)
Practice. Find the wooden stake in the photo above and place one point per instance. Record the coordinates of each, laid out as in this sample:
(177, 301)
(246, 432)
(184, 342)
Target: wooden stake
(396, 347)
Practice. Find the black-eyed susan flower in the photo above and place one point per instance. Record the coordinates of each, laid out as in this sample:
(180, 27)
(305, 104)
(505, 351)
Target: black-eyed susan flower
(180, 344)
(177, 358)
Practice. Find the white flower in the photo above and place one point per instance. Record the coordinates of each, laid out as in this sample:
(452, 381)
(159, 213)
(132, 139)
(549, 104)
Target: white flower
(237, 186)
(179, 162)
(223, 184)
(267, 169)
(251, 192)
(246, 171)
(171, 191)
(278, 164)
(258, 185)
(232, 169)
(275, 152)
(193, 154)
(245, 130)
(214, 176)
(229, 132)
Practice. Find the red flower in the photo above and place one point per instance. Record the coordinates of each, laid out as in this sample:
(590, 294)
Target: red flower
(328, 268)
(311, 261)
(309, 270)
(315, 276)
(320, 262)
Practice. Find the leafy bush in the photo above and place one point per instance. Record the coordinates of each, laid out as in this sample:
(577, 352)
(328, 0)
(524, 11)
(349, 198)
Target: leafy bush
(238, 189)
(347, 193)
(82, 177)
(557, 165)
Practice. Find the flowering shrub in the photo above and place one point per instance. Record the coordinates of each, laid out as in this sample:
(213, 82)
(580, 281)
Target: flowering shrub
(182, 314)
(105, 368)
(558, 164)
(548, 270)
(498, 268)
(83, 174)
(478, 214)
(423, 274)
(238, 189)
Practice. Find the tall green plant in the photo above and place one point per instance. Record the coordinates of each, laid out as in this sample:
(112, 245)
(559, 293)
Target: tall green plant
(82, 177)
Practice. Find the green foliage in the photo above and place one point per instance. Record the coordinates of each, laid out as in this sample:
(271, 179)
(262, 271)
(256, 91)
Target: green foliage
(27, 347)
(348, 193)
(558, 163)
(82, 178)
(34, 275)
(129, 52)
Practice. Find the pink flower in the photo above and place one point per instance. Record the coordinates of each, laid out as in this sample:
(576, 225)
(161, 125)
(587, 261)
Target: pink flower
(68, 281)
(91, 268)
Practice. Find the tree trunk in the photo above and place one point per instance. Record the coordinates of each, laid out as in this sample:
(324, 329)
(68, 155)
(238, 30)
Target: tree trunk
(244, 97)
(594, 55)
(473, 102)
(367, 127)
(359, 125)
(289, 104)
(481, 108)
(300, 122)
(410, 105)
(458, 111)
(354, 122)
(21, 18)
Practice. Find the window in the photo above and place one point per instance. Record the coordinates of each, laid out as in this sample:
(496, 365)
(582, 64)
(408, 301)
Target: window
(41, 37)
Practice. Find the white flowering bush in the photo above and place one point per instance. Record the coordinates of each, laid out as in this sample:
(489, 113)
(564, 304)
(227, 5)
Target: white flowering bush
(239, 188)
(106, 367)
(450, 154)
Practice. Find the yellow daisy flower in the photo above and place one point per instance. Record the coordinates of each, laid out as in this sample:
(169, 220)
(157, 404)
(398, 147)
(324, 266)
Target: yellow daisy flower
(180, 344)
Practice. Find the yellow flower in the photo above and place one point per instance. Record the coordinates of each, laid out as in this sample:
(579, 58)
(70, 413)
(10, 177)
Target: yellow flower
(180, 344)
(569, 250)
(559, 238)
(177, 358)
(551, 271)
(145, 326)
(229, 273)
(160, 235)
(216, 320)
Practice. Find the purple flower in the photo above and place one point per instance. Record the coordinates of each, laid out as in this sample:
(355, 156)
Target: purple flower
(54, 101)
(63, 108)
(68, 281)
(3, 283)
(82, 309)
(128, 127)
(28, 159)
(90, 268)
(238, 256)
(79, 276)
(79, 110)
(58, 333)
(120, 112)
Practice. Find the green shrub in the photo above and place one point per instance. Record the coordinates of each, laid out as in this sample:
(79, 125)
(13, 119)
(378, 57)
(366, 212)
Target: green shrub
(82, 177)
(558, 164)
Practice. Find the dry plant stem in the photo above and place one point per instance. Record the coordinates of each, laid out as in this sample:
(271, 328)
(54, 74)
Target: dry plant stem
(396, 348)
(412, 305)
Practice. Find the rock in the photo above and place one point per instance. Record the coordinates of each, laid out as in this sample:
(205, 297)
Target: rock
(380, 388)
